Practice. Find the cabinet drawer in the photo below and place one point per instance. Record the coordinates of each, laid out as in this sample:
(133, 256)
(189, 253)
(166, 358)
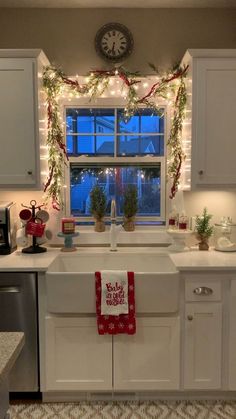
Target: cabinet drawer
(202, 290)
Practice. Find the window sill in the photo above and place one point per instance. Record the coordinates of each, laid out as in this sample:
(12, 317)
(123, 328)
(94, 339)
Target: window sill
(140, 237)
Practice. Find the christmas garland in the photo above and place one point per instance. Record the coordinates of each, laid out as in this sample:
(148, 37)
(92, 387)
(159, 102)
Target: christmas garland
(55, 83)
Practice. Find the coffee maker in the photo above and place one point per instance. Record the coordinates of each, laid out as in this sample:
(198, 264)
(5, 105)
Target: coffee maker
(7, 227)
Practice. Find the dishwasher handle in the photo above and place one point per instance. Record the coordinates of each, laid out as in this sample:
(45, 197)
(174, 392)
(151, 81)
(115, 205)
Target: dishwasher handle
(9, 289)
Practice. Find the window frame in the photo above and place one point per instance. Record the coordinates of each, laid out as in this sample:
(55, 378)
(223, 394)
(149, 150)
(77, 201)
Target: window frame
(106, 160)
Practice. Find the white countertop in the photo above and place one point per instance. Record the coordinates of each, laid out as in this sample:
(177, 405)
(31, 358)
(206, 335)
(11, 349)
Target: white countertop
(18, 261)
(188, 260)
(197, 260)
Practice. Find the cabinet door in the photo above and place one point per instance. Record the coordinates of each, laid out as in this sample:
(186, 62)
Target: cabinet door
(18, 124)
(148, 360)
(77, 358)
(202, 357)
(214, 123)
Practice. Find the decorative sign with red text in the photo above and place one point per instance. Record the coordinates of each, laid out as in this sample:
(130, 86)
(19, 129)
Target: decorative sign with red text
(114, 292)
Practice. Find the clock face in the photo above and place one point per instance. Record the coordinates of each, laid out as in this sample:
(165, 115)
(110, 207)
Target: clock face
(114, 42)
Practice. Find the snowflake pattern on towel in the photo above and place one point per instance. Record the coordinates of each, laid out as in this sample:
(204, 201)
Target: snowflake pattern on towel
(124, 323)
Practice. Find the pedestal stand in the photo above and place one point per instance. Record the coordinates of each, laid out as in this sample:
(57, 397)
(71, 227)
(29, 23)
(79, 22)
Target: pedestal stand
(179, 240)
(68, 241)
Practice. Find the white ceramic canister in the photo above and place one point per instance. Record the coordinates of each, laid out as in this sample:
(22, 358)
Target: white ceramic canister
(21, 238)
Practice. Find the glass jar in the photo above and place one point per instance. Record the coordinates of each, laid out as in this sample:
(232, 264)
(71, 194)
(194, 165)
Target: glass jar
(183, 222)
(225, 235)
(173, 219)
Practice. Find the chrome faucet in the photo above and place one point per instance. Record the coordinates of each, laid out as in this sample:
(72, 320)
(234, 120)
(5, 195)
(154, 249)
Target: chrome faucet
(115, 229)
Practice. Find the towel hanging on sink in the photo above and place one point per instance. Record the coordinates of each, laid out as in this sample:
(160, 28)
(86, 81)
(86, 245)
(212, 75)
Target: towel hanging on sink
(115, 302)
(114, 292)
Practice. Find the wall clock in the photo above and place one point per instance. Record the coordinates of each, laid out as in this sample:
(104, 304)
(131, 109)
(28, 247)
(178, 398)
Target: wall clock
(114, 42)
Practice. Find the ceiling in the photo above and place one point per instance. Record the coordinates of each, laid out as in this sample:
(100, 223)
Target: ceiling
(119, 3)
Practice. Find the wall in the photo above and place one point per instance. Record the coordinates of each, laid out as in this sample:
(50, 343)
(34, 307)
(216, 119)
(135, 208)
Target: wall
(161, 37)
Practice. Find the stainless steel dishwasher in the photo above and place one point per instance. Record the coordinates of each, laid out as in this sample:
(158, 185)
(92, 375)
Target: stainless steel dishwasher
(18, 312)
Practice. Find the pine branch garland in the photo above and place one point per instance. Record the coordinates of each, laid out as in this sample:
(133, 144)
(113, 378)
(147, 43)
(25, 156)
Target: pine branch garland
(54, 81)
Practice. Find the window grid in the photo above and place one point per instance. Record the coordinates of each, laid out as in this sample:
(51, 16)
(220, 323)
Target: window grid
(84, 160)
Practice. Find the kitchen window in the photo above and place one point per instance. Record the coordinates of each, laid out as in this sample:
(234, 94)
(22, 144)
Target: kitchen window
(106, 150)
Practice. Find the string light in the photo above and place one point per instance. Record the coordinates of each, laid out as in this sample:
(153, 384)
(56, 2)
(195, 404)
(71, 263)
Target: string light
(100, 84)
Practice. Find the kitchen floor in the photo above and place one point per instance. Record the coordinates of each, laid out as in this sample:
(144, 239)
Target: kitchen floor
(124, 410)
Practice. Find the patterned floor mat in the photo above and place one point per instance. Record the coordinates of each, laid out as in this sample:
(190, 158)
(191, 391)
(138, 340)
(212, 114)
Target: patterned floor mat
(126, 410)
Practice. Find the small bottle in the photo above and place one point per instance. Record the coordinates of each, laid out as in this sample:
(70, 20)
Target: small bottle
(173, 219)
(183, 221)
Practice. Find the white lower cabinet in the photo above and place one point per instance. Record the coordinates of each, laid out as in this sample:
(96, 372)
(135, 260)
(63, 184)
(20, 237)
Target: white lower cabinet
(202, 352)
(150, 359)
(77, 358)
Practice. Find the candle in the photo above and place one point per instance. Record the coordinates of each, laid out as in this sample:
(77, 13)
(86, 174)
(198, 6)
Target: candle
(68, 225)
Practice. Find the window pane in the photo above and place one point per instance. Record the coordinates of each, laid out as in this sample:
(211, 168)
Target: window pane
(104, 145)
(94, 144)
(152, 145)
(90, 120)
(152, 124)
(114, 180)
(128, 145)
(69, 124)
(85, 144)
(69, 144)
(143, 122)
(132, 125)
(139, 145)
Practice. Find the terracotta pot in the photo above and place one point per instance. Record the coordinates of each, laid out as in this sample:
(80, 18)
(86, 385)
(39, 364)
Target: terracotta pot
(99, 226)
(129, 223)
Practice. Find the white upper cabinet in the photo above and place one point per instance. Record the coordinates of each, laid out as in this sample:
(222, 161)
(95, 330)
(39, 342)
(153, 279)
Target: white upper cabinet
(20, 117)
(210, 126)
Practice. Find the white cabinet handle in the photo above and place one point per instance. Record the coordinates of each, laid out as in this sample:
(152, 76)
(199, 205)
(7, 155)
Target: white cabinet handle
(190, 318)
(203, 291)
(200, 172)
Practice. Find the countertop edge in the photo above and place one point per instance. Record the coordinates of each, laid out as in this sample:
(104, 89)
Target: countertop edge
(11, 344)
(189, 260)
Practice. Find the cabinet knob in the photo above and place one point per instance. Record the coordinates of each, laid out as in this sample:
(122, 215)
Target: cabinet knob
(200, 172)
(203, 291)
(190, 318)
(29, 172)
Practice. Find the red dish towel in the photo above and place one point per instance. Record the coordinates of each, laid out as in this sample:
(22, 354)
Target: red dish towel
(123, 323)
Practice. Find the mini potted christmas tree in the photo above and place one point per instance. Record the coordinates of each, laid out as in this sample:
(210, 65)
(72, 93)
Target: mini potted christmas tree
(98, 207)
(130, 207)
(203, 229)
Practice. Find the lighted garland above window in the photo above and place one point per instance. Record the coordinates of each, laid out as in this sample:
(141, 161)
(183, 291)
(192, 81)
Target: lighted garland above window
(56, 84)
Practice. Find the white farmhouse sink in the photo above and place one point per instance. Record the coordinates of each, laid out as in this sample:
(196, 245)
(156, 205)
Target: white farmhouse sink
(71, 288)
(126, 261)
